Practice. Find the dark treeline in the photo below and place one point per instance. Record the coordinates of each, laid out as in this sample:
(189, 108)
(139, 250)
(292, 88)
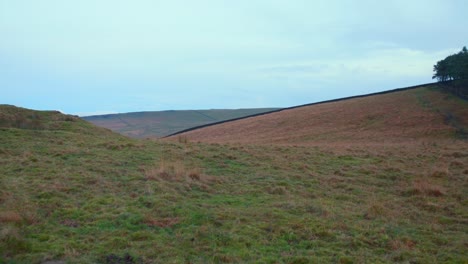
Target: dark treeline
(453, 71)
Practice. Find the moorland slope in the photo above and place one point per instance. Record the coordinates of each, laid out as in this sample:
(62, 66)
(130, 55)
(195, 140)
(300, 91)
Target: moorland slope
(71, 192)
(425, 112)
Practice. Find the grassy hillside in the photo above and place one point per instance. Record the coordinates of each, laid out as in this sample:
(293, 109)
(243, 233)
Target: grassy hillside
(163, 123)
(415, 114)
(74, 193)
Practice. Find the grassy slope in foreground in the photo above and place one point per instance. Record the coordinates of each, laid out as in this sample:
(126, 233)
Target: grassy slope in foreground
(397, 117)
(72, 192)
(163, 123)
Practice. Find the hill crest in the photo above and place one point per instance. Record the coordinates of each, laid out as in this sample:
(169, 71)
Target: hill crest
(13, 117)
(400, 115)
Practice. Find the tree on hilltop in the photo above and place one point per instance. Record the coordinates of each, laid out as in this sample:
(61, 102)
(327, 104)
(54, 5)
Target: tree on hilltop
(453, 71)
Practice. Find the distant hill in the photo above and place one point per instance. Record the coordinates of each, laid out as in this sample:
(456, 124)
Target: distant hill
(50, 121)
(395, 116)
(163, 123)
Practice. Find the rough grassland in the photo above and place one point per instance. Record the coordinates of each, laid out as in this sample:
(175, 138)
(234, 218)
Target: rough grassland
(401, 117)
(72, 192)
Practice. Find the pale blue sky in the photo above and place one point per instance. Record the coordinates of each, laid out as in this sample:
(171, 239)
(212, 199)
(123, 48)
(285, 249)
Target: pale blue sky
(105, 56)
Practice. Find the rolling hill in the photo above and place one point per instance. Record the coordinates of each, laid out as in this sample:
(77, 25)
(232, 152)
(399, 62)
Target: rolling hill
(401, 116)
(72, 192)
(162, 123)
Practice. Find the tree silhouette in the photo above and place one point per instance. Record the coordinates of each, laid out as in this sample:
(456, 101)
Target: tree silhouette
(452, 72)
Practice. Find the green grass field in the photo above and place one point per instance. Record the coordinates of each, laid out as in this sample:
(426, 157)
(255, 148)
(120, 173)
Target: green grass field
(74, 193)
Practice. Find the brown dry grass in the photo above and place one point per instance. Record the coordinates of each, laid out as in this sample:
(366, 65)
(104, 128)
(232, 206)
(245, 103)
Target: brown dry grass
(161, 222)
(402, 243)
(175, 176)
(10, 217)
(396, 118)
(174, 171)
(425, 187)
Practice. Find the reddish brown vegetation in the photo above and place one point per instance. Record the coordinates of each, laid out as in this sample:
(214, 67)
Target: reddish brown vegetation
(10, 217)
(403, 243)
(162, 222)
(401, 117)
(424, 187)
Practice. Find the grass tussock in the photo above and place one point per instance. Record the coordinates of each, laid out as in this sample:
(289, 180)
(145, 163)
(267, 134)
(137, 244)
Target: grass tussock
(440, 174)
(402, 244)
(424, 187)
(176, 172)
(10, 217)
(165, 222)
(376, 209)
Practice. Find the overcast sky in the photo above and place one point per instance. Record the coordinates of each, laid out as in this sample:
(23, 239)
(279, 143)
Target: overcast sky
(105, 56)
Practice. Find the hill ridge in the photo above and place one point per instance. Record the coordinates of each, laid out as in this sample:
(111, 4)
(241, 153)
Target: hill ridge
(402, 114)
(304, 105)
